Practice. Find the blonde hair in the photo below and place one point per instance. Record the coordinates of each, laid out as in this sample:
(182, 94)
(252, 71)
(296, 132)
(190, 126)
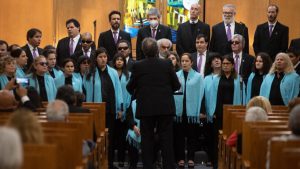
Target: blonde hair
(4, 61)
(260, 101)
(28, 126)
(289, 68)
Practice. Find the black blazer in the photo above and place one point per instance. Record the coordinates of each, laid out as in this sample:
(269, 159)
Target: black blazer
(186, 40)
(29, 55)
(106, 40)
(246, 66)
(161, 32)
(295, 45)
(219, 42)
(153, 82)
(278, 42)
(62, 50)
(129, 64)
(194, 57)
(79, 53)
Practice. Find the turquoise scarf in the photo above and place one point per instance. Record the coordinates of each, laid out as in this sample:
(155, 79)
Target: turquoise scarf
(49, 84)
(289, 86)
(208, 83)
(3, 81)
(125, 94)
(20, 72)
(76, 82)
(194, 95)
(132, 138)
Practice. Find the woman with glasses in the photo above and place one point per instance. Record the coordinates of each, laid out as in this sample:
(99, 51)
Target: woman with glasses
(7, 70)
(68, 78)
(260, 70)
(53, 69)
(41, 80)
(21, 61)
(188, 110)
(282, 83)
(225, 89)
(102, 84)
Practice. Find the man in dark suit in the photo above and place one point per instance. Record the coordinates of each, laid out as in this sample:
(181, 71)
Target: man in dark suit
(154, 30)
(271, 37)
(224, 31)
(31, 49)
(71, 44)
(110, 38)
(124, 47)
(186, 33)
(88, 47)
(243, 63)
(153, 82)
(201, 56)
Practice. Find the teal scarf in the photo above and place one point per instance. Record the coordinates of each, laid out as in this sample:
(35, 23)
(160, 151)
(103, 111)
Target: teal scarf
(20, 72)
(76, 82)
(249, 87)
(49, 85)
(125, 94)
(289, 86)
(132, 138)
(194, 95)
(3, 81)
(208, 83)
(93, 88)
(213, 93)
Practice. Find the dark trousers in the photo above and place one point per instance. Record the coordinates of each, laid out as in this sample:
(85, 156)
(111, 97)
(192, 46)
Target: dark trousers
(184, 130)
(120, 140)
(213, 139)
(110, 124)
(164, 126)
(133, 154)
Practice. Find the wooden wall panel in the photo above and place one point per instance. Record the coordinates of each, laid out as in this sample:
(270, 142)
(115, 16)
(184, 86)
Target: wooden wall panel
(289, 15)
(17, 16)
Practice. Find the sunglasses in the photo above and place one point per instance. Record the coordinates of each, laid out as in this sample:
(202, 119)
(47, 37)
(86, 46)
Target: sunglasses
(235, 42)
(124, 48)
(43, 63)
(86, 41)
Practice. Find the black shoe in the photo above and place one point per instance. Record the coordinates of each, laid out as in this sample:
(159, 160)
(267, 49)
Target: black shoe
(121, 164)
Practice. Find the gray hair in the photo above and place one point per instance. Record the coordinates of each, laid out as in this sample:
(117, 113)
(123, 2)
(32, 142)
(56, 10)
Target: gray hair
(294, 120)
(256, 114)
(154, 11)
(149, 47)
(160, 41)
(57, 110)
(240, 38)
(11, 151)
(230, 6)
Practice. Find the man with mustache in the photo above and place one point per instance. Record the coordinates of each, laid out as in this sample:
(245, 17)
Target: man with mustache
(271, 37)
(223, 32)
(110, 38)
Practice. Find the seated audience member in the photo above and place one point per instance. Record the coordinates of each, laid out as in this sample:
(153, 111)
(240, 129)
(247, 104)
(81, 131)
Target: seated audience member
(28, 126)
(67, 94)
(80, 98)
(256, 113)
(11, 151)
(57, 110)
(164, 46)
(41, 80)
(260, 101)
(282, 83)
(7, 70)
(293, 103)
(8, 102)
(21, 61)
(175, 60)
(3, 48)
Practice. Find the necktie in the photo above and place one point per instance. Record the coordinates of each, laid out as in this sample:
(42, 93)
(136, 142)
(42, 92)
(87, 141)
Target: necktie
(270, 30)
(115, 37)
(71, 46)
(153, 33)
(228, 32)
(85, 54)
(199, 63)
(34, 53)
(236, 63)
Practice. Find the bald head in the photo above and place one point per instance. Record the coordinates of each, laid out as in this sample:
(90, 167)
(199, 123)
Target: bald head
(194, 11)
(87, 41)
(294, 120)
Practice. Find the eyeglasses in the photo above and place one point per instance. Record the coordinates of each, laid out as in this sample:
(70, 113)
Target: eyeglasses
(235, 42)
(86, 41)
(124, 48)
(43, 63)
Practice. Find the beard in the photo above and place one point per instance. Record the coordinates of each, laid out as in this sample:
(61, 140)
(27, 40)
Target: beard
(116, 26)
(227, 19)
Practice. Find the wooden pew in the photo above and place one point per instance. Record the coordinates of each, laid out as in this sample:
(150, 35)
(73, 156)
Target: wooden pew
(43, 156)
